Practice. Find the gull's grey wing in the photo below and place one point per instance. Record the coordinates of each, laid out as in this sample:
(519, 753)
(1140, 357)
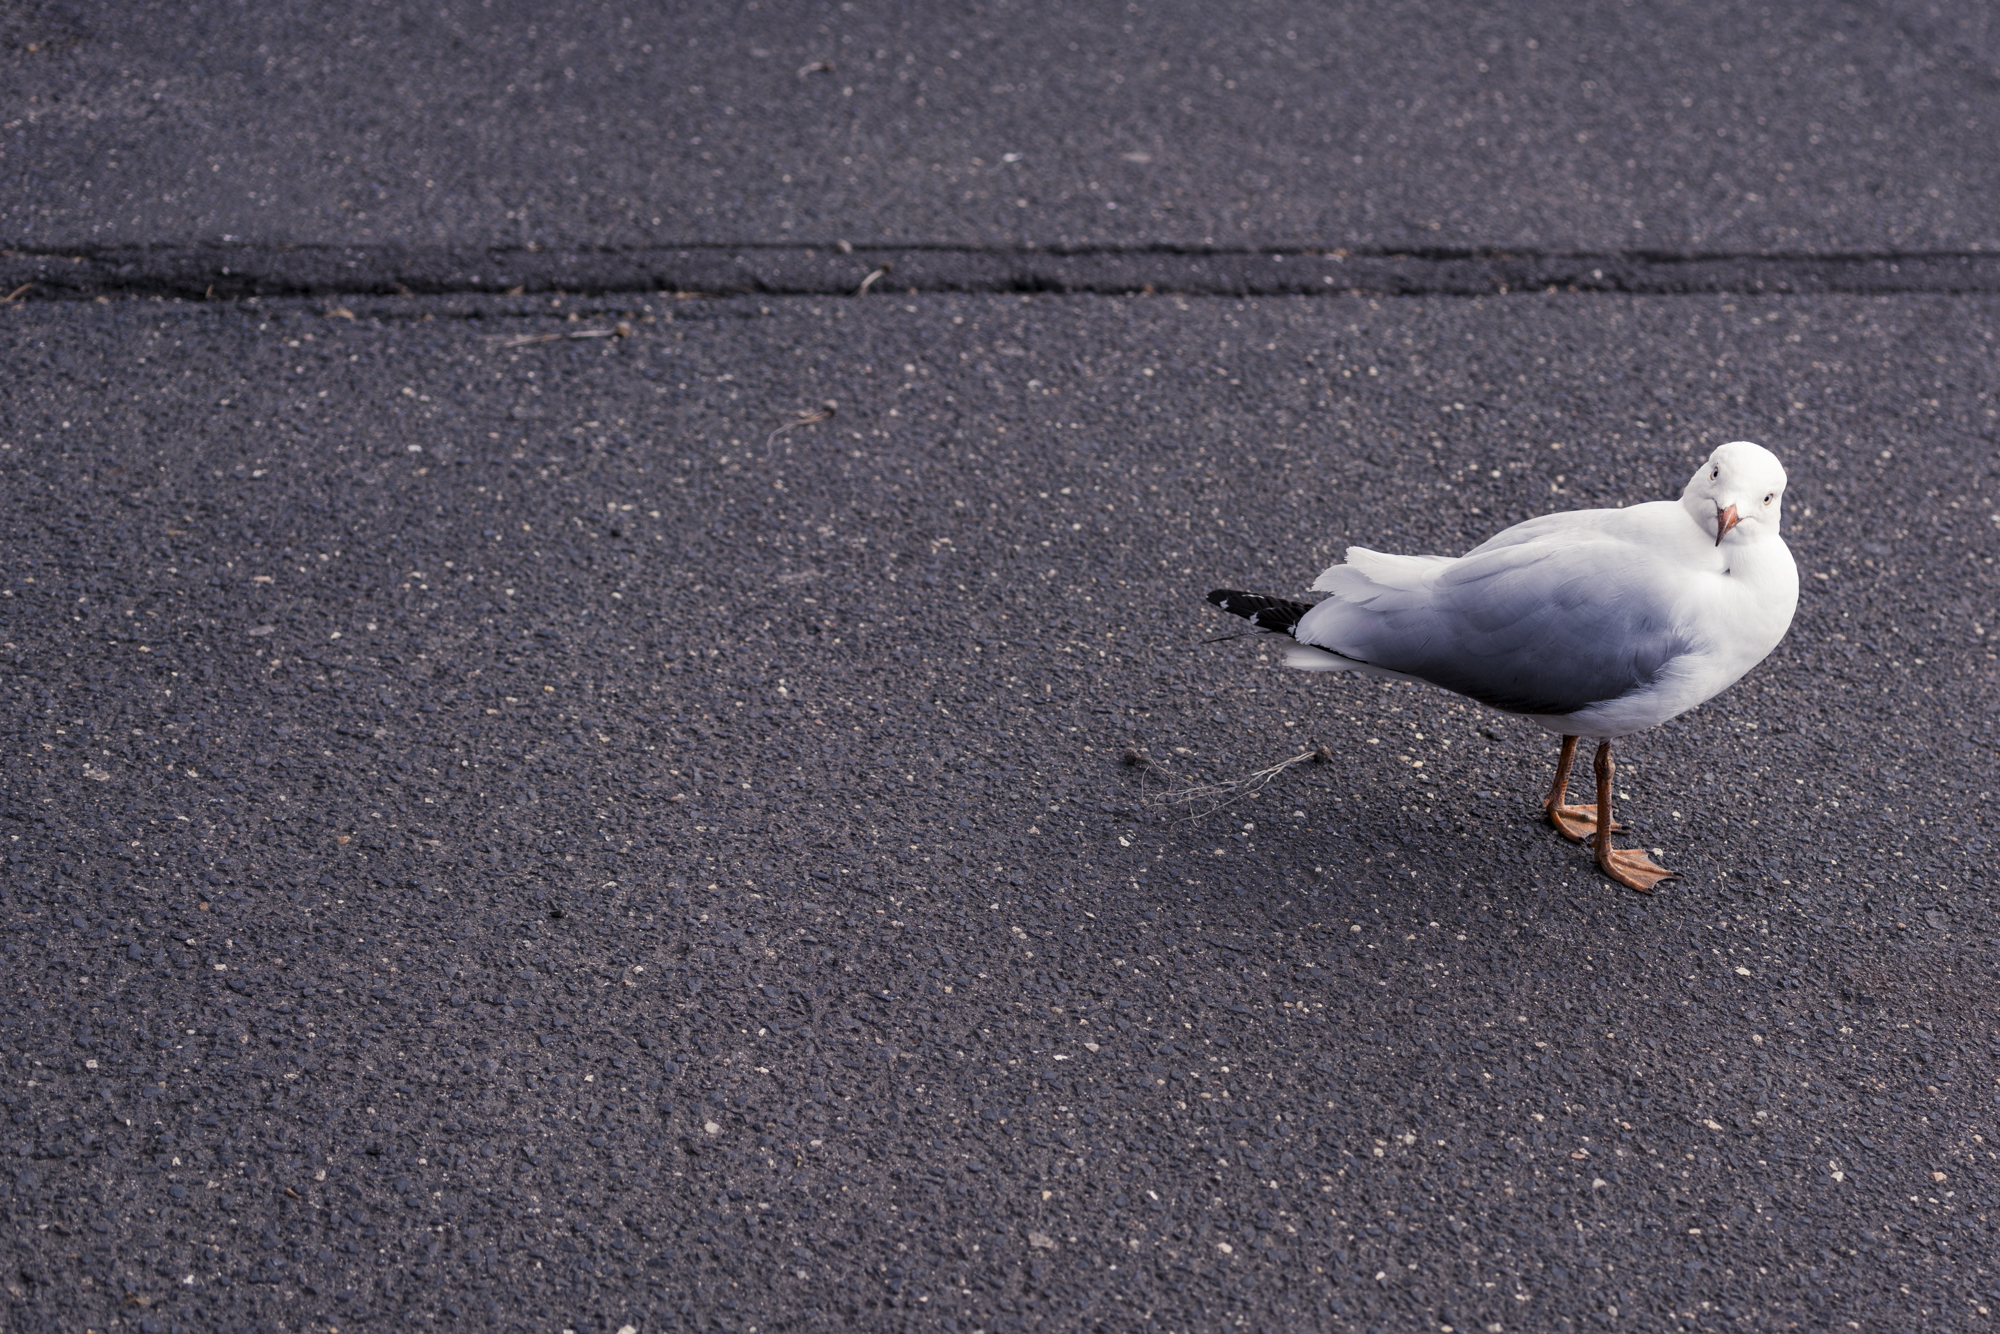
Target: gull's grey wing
(1541, 627)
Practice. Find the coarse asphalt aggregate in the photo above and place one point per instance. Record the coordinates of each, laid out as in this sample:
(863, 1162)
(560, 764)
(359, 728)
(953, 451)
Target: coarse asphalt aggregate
(473, 861)
(1680, 125)
(696, 810)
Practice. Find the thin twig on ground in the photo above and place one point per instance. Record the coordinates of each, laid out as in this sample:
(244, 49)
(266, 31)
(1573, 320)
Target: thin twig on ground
(622, 329)
(803, 417)
(1215, 796)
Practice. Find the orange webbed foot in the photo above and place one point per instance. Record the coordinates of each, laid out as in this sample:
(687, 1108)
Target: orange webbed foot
(1632, 868)
(1577, 823)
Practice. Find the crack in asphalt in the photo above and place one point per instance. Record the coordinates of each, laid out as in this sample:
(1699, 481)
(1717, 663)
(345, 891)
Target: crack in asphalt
(233, 271)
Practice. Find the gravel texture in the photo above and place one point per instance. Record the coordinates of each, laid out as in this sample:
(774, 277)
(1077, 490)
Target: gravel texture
(1679, 125)
(540, 836)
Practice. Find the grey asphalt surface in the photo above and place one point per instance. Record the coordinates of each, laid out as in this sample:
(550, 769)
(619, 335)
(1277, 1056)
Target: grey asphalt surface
(1677, 126)
(511, 825)
(632, 869)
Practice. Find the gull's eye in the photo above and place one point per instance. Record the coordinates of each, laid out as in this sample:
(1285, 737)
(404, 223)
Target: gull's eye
(1768, 499)
(1714, 473)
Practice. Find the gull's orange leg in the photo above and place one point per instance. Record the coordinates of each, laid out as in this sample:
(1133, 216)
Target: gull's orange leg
(1630, 867)
(1574, 823)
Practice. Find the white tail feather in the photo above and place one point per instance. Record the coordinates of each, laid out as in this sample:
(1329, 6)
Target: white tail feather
(1380, 569)
(1306, 658)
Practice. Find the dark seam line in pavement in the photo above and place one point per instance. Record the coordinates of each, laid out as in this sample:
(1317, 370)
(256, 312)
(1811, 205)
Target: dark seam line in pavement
(766, 269)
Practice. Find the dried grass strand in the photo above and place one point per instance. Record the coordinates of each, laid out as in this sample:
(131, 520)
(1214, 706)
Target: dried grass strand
(1218, 795)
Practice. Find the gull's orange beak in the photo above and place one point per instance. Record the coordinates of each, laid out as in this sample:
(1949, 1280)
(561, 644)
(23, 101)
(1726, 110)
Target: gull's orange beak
(1724, 521)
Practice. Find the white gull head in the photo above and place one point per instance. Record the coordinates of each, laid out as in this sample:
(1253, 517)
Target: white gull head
(1738, 494)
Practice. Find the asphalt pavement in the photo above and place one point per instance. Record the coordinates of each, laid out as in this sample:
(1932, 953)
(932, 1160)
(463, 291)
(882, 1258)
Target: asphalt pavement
(1713, 127)
(690, 810)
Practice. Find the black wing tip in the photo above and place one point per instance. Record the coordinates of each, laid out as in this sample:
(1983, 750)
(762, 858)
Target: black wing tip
(1277, 615)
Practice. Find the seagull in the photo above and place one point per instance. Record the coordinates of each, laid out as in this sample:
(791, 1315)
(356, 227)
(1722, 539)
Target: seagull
(1591, 623)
